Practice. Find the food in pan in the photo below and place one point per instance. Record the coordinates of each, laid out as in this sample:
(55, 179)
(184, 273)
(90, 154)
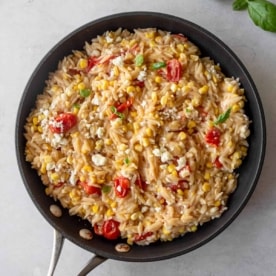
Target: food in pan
(140, 135)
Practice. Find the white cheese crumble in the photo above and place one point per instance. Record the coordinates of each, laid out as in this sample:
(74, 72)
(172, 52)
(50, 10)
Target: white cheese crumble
(118, 61)
(166, 156)
(142, 75)
(99, 160)
(181, 162)
(100, 132)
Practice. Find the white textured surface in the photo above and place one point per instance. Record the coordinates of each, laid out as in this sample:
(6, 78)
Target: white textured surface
(28, 29)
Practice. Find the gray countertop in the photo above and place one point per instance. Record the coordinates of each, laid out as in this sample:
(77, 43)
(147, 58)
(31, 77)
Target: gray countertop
(28, 29)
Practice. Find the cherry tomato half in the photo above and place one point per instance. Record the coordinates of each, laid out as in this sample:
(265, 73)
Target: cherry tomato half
(141, 183)
(217, 163)
(121, 185)
(111, 229)
(89, 189)
(213, 136)
(63, 122)
(142, 237)
(174, 70)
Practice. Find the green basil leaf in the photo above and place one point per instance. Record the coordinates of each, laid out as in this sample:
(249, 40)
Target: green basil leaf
(239, 5)
(139, 60)
(85, 92)
(106, 189)
(223, 117)
(263, 14)
(158, 65)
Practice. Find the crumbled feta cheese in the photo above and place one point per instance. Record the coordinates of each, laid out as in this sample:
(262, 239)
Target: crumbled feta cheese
(118, 61)
(100, 132)
(142, 75)
(166, 156)
(95, 100)
(99, 160)
(157, 152)
(143, 103)
(109, 39)
(181, 162)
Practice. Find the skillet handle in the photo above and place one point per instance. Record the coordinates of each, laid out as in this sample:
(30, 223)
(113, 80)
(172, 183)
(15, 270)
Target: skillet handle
(57, 247)
(93, 262)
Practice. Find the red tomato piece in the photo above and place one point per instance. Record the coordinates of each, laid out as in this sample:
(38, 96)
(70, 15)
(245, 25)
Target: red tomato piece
(213, 136)
(98, 229)
(217, 163)
(141, 84)
(122, 185)
(142, 237)
(89, 189)
(63, 122)
(174, 70)
(141, 183)
(111, 229)
(122, 107)
(181, 185)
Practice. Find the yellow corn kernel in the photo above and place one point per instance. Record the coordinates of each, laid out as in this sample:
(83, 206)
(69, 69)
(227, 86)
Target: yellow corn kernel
(174, 87)
(195, 102)
(158, 79)
(191, 124)
(193, 228)
(235, 108)
(108, 142)
(206, 187)
(131, 89)
(55, 88)
(230, 88)
(182, 135)
(217, 203)
(40, 129)
(149, 132)
(134, 216)
(104, 84)
(136, 126)
(43, 168)
(47, 191)
(165, 231)
(180, 192)
(87, 168)
(152, 43)
(99, 144)
(95, 209)
(150, 34)
(174, 173)
(154, 97)
(75, 110)
(241, 104)
(138, 147)
(113, 204)
(109, 213)
(83, 63)
(209, 165)
(215, 79)
(122, 147)
(35, 121)
(230, 176)
(158, 39)
(145, 142)
(180, 48)
(171, 168)
(132, 42)
(54, 177)
(203, 90)
(81, 86)
(237, 155)
(207, 176)
(164, 100)
(69, 159)
(82, 178)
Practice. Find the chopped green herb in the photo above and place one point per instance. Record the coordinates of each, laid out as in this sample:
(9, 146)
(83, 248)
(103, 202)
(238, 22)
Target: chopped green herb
(116, 112)
(127, 161)
(158, 65)
(106, 189)
(76, 105)
(188, 110)
(223, 117)
(139, 60)
(85, 93)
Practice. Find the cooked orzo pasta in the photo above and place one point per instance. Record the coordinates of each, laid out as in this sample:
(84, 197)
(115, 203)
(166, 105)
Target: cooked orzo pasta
(139, 135)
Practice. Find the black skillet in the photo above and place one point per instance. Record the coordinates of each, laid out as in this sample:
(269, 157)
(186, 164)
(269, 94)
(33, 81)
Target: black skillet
(69, 226)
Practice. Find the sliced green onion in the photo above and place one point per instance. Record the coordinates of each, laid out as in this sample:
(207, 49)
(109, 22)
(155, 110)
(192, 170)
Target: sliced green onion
(85, 93)
(223, 117)
(139, 60)
(106, 189)
(127, 161)
(76, 105)
(158, 65)
(116, 112)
